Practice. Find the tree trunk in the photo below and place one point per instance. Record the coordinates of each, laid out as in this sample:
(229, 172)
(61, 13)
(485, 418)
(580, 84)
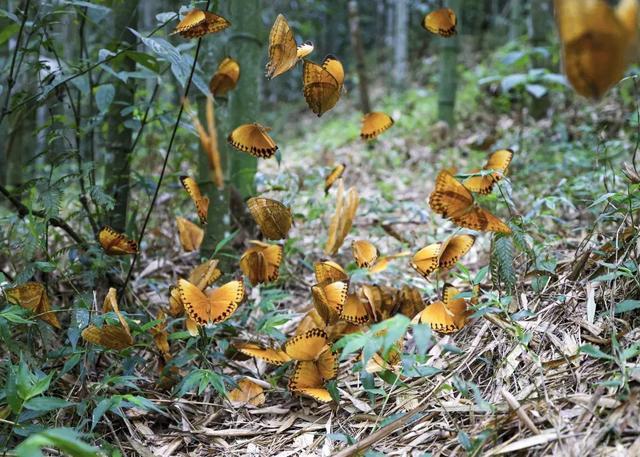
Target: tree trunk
(538, 28)
(449, 48)
(119, 136)
(401, 43)
(243, 107)
(356, 44)
(515, 26)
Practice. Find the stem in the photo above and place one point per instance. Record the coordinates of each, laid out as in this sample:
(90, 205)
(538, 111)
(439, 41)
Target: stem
(166, 160)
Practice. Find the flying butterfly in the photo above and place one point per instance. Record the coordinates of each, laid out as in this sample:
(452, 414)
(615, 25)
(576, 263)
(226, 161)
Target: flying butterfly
(201, 202)
(452, 200)
(333, 176)
(322, 84)
(261, 262)
(441, 256)
(373, 124)
(364, 252)
(269, 355)
(225, 78)
(329, 271)
(253, 139)
(498, 162)
(272, 216)
(441, 22)
(190, 234)
(447, 315)
(198, 23)
(110, 336)
(283, 51)
(33, 296)
(116, 243)
(342, 218)
(596, 42)
(217, 306)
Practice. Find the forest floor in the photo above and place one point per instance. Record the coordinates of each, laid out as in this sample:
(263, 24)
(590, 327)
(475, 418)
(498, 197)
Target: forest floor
(554, 373)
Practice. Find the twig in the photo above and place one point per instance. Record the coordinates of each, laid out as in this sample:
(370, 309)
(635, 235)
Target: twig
(166, 160)
(55, 221)
(517, 407)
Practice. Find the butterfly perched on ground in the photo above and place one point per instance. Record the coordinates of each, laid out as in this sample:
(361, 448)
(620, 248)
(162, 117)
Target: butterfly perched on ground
(269, 355)
(373, 124)
(212, 308)
(201, 202)
(333, 176)
(329, 298)
(33, 296)
(190, 234)
(273, 218)
(202, 276)
(441, 256)
(354, 310)
(379, 301)
(327, 270)
(197, 23)
(225, 78)
(322, 84)
(384, 261)
(442, 22)
(261, 262)
(364, 253)
(116, 243)
(452, 200)
(597, 41)
(447, 315)
(253, 139)
(342, 219)
(112, 336)
(283, 51)
(498, 162)
(248, 392)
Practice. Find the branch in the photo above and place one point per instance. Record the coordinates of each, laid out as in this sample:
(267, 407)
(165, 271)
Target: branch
(166, 160)
(23, 211)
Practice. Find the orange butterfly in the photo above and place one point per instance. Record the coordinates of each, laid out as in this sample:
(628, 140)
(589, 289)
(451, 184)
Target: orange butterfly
(272, 216)
(596, 42)
(328, 271)
(283, 51)
(409, 301)
(269, 355)
(452, 200)
(384, 261)
(253, 139)
(498, 162)
(217, 306)
(333, 176)
(378, 301)
(364, 252)
(116, 243)
(198, 23)
(441, 256)
(225, 78)
(329, 299)
(261, 262)
(322, 84)
(201, 202)
(342, 219)
(161, 336)
(354, 310)
(202, 276)
(111, 336)
(190, 234)
(446, 316)
(248, 392)
(309, 377)
(33, 296)
(442, 22)
(373, 124)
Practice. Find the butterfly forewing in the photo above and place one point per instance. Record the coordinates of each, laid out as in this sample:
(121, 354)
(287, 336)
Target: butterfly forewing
(333, 176)
(321, 88)
(354, 311)
(307, 346)
(373, 124)
(328, 271)
(272, 356)
(116, 243)
(225, 300)
(306, 380)
(425, 261)
(225, 78)
(441, 22)
(454, 249)
(254, 140)
(198, 23)
(201, 202)
(272, 216)
(283, 53)
(364, 252)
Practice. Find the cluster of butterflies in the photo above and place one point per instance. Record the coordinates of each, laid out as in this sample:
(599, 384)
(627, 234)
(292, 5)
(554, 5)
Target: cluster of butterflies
(338, 308)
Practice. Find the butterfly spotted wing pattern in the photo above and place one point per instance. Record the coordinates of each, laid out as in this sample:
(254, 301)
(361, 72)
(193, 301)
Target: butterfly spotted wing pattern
(116, 243)
(272, 216)
(254, 140)
(198, 23)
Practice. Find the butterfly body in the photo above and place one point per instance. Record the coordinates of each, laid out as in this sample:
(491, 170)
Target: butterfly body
(261, 262)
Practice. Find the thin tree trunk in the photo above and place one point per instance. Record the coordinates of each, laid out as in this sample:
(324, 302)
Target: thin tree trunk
(515, 26)
(538, 28)
(401, 43)
(356, 44)
(449, 48)
(119, 135)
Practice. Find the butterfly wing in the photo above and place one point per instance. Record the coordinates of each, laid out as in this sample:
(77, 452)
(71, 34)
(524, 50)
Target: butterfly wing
(198, 23)
(304, 49)
(328, 271)
(321, 89)
(224, 301)
(481, 220)
(269, 355)
(307, 380)
(454, 249)
(195, 302)
(327, 364)
(225, 78)
(201, 202)
(273, 258)
(254, 140)
(373, 124)
(450, 198)
(436, 316)
(108, 336)
(364, 252)
(252, 264)
(307, 346)
(457, 307)
(333, 176)
(425, 261)
(442, 22)
(205, 274)
(190, 234)
(354, 311)
(116, 243)
(283, 53)
(272, 216)
(33, 296)
(498, 161)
